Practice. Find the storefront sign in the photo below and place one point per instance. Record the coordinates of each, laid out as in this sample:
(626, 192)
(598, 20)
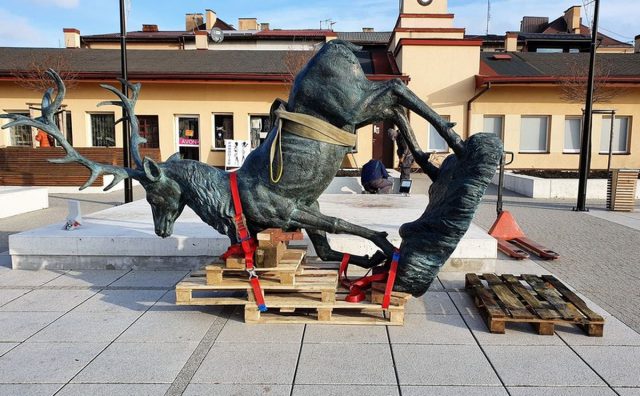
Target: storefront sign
(188, 142)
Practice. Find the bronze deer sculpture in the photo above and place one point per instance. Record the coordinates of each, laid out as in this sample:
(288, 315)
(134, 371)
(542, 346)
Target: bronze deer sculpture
(332, 88)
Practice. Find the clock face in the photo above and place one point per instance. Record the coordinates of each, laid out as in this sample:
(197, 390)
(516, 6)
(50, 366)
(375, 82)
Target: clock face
(425, 2)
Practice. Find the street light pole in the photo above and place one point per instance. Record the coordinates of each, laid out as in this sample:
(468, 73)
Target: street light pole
(585, 143)
(126, 133)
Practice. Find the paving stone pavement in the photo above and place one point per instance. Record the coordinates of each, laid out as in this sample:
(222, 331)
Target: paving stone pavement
(599, 258)
(119, 332)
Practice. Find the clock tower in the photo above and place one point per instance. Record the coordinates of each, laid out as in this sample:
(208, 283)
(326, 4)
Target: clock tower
(440, 62)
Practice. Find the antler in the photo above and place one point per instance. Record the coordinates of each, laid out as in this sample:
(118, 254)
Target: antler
(46, 123)
(128, 105)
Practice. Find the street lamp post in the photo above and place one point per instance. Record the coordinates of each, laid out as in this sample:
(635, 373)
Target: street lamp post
(126, 133)
(585, 143)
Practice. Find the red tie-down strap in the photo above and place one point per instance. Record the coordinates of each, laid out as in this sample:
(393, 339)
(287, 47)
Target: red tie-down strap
(247, 244)
(357, 287)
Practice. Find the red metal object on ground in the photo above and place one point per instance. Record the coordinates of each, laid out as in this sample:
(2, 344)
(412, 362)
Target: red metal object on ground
(512, 240)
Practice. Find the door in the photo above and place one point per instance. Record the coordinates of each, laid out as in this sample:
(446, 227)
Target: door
(382, 145)
(189, 137)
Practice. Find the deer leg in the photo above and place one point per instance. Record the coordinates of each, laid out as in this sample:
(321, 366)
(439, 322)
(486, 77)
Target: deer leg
(394, 92)
(402, 122)
(309, 218)
(326, 253)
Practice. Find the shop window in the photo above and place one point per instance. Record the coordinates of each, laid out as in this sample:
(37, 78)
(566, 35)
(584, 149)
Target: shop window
(534, 131)
(222, 129)
(149, 130)
(259, 125)
(103, 130)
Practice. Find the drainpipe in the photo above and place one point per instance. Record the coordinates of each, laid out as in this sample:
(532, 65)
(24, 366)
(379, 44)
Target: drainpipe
(487, 86)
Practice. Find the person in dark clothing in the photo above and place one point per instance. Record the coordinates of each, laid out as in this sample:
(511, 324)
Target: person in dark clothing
(375, 178)
(405, 158)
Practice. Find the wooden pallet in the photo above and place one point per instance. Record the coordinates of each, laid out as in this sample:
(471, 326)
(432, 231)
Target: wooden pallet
(304, 308)
(285, 272)
(542, 301)
(621, 190)
(195, 290)
(314, 298)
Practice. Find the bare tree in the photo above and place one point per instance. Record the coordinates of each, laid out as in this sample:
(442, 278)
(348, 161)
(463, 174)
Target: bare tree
(31, 74)
(574, 84)
(295, 60)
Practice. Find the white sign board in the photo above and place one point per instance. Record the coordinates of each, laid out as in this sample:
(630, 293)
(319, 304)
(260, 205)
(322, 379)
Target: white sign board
(235, 152)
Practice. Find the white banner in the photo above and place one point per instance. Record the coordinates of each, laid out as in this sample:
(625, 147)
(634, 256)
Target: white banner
(235, 152)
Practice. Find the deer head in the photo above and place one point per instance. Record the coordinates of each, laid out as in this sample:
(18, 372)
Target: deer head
(163, 194)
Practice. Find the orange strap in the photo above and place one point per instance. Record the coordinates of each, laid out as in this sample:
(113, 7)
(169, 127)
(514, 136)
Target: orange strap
(247, 243)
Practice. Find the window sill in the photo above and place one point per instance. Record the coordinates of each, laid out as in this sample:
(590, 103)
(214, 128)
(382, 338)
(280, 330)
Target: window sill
(571, 152)
(533, 152)
(614, 153)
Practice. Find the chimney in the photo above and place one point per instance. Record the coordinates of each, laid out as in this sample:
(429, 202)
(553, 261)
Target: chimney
(511, 42)
(202, 39)
(572, 17)
(71, 38)
(264, 26)
(192, 21)
(247, 23)
(149, 28)
(211, 18)
(636, 47)
(367, 30)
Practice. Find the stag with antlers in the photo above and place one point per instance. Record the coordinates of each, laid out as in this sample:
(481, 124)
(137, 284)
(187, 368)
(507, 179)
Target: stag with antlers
(333, 95)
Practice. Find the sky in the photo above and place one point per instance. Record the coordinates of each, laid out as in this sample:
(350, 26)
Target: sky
(39, 23)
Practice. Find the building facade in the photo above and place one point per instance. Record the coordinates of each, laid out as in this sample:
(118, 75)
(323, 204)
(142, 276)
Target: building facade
(199, 89)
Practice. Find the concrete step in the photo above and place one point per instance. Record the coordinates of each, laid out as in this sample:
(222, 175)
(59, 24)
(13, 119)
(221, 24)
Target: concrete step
(18, 200)
(123, 237)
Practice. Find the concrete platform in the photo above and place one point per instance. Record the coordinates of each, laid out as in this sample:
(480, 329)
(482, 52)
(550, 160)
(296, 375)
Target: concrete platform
(18, 200)
(123, 237)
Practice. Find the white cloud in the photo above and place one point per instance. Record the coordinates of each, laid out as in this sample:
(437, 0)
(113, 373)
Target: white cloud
(17, 31)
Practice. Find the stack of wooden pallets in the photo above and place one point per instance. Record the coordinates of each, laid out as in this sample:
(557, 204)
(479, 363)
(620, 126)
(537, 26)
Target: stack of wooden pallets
(294, 291)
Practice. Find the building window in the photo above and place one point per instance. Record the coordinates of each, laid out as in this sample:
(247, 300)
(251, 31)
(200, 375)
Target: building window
(494, 124)
(436, 142)
(620, 141)
(572, 133)
(149, 130)
(259, 125)
(103, 130)
(534, 131)
(68, 127)
(222, 129)
(21, 135)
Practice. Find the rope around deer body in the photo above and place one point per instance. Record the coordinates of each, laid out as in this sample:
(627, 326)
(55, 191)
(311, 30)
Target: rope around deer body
(305, 126)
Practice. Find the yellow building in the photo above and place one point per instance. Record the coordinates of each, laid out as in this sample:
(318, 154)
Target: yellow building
(199, 89)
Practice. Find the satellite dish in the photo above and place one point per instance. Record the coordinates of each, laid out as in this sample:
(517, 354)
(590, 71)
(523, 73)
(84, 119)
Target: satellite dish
(216, 34)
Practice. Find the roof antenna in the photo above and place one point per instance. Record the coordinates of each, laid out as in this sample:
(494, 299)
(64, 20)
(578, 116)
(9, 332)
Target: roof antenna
(488, 16)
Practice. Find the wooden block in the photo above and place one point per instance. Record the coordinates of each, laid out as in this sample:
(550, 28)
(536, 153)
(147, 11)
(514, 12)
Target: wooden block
(287, 310)
(271, 255)
(495, 326)
(251, 314)
(287, 278)
(183, 296)
(324, 314)
(328, 296)
(594, 330)
(544, 328)
(398, 299)
(396, 316)
(214, 275)
(235, 262)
